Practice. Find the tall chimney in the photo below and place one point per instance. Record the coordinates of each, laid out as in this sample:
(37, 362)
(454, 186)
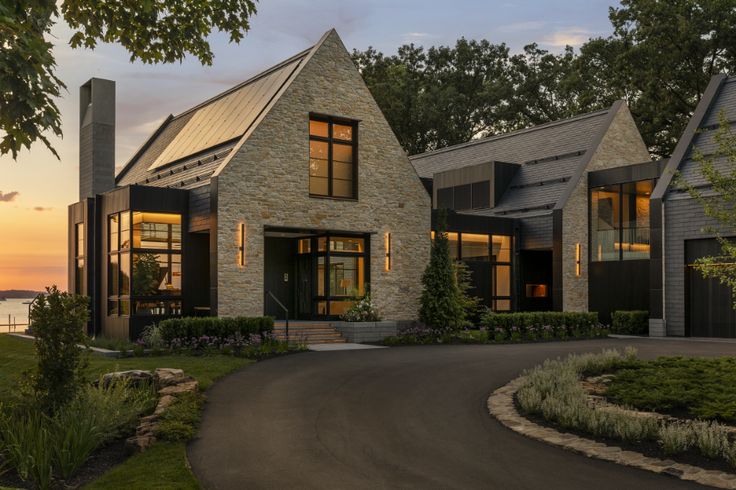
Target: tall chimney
(96, 137)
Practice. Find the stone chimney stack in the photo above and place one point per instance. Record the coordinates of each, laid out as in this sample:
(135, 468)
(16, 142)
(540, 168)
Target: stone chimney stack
(96, 137)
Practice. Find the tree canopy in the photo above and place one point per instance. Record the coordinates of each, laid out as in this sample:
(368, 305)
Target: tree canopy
(153, 31)
(658, 59)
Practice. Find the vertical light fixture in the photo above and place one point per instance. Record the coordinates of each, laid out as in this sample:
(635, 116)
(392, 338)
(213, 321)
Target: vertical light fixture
(241, 244)
(577, 259)
(387, 241)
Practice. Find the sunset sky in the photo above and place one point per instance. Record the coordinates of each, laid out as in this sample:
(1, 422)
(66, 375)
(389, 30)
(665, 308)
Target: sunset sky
(36, 190)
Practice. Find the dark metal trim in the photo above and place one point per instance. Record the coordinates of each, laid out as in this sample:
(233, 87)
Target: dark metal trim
(557, 286)
(628, 173)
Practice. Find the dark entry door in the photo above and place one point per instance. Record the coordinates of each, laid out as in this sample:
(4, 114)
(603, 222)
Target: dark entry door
(709, 304)
(279, 272)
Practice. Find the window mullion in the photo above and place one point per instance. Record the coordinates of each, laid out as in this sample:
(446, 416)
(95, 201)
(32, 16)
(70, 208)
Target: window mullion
(329, 158)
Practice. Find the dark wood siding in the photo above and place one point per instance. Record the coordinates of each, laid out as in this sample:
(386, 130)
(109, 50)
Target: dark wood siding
(199, 209)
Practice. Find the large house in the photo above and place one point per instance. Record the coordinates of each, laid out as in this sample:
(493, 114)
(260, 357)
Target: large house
(289, 195)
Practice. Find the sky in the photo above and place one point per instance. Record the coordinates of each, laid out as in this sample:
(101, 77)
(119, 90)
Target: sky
(36, 189)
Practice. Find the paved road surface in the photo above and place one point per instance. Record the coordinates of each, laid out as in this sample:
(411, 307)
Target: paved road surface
(404, 417)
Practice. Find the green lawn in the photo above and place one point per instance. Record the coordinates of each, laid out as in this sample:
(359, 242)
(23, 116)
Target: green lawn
(162, 466)
(690, 387)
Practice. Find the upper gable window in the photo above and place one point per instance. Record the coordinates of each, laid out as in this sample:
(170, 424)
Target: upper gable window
(333, 162)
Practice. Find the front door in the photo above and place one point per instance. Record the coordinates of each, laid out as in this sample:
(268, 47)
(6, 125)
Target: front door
(304, 275)
(279, 280)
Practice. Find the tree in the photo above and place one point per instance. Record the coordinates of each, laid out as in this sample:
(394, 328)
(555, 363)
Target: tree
(441, 302)
(659, 59)
(58, 320)
(719, 203)
(153, 31)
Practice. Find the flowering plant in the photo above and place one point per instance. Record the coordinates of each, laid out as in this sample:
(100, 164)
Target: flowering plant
(362, 311)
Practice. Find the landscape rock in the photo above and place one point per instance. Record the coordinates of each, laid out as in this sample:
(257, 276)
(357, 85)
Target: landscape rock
(135, 377)
(140, 443)
(163, 403)
(169, 377)
(186, 387)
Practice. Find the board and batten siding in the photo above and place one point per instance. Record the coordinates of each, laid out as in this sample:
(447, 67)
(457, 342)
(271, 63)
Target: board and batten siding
(199, 209)
(536, 233)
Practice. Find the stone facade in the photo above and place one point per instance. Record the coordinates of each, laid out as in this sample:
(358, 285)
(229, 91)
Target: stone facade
(621, 145)
(266, 183)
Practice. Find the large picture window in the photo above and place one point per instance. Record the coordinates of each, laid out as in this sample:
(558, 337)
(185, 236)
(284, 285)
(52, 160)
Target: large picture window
(79, 279)
(144, 263)
(496, 249)
(619, 221)
(333, 158)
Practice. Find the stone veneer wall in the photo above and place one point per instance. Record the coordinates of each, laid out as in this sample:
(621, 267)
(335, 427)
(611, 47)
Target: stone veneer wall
(621, 145)
(267, 183)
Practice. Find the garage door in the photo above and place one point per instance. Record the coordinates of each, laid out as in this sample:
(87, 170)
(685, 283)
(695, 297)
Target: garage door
(709, 304)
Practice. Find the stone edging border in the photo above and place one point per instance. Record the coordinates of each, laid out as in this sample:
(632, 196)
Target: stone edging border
(501, 406)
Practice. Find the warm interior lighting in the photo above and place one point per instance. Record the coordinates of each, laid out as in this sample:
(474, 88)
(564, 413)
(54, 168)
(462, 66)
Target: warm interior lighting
(387, 240)
(241, 244)
(536, 291)
(577, 259)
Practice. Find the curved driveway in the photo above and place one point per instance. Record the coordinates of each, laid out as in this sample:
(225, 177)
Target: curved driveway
(403, 417)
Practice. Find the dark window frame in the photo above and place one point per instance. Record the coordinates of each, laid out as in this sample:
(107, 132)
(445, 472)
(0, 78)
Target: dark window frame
(130, 251)
(80, 256)
(620, 224)
(331, 140)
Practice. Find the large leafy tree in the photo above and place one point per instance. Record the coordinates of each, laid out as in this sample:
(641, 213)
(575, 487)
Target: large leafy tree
(153, 31)
(659, 59)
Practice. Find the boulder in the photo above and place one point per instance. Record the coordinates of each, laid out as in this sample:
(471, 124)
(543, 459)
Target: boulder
(186, 387)
(135, 377)
(163, 403)
(169, 377)
(140, 443)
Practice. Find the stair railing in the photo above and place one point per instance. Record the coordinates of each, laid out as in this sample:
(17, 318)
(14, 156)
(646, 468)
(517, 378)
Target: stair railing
(286, 311)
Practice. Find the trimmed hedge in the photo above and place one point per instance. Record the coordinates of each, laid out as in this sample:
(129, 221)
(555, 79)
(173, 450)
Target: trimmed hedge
(634, 322)
(556, 319)
(196, 327)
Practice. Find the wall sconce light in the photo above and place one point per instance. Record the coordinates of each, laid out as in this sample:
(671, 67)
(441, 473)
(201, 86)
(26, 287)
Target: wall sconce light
(577, 259)
(387, 240)
(241, 244)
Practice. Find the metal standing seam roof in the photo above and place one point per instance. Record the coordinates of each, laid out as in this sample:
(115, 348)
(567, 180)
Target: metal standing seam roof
(549, 154)
(210, 128)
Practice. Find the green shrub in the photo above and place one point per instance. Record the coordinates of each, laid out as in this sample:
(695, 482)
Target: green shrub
(40, 447)
(179, 421)
(59, 321)
(196, 327)
(630, 322)
(441, 302)
(562, 322)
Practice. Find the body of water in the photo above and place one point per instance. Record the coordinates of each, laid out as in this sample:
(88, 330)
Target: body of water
(18, 313)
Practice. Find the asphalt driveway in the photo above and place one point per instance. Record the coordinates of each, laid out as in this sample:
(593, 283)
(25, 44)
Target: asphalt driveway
(404, 417)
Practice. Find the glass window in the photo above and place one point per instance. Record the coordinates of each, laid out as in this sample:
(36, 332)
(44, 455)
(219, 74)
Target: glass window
(474, 247)
(125, 230)
(332, 158)
(305, 245)
(79, 282)
(619, 224)
(157, 231)
(635, 214)
(156, 274)
(501, 305)
(445, 198)
(452, 238)
(605, 222)
(502, 280)
(501, 248)
(321, 276)
(339, 307)
(79, 277)
(113, 229)
(113, 276)
(536, 291)
(347, 244)
(347, 276)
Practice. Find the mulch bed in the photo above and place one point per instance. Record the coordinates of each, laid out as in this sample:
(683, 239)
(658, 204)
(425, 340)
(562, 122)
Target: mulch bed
(99, 463)
(647, 448)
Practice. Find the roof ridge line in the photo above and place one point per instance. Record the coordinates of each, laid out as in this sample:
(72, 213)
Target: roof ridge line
(250, 80)
(516, 132)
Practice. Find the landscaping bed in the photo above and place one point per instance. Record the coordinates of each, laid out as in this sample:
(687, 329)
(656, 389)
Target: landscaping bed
(574, 395)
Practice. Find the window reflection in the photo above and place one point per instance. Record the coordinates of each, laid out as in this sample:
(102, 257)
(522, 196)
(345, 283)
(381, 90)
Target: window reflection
(619, 225)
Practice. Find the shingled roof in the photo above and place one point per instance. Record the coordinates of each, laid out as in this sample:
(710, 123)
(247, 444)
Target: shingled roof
(550, 156)
(189, 148)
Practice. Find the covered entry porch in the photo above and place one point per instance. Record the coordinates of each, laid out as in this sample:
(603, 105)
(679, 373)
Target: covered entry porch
(314, 274)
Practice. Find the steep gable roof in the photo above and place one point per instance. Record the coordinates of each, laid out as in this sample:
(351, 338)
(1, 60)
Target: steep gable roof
(719, 97)
(551, 155)
(189, 148)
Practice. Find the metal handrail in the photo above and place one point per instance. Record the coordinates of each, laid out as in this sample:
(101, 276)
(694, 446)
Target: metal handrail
(286, 310)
